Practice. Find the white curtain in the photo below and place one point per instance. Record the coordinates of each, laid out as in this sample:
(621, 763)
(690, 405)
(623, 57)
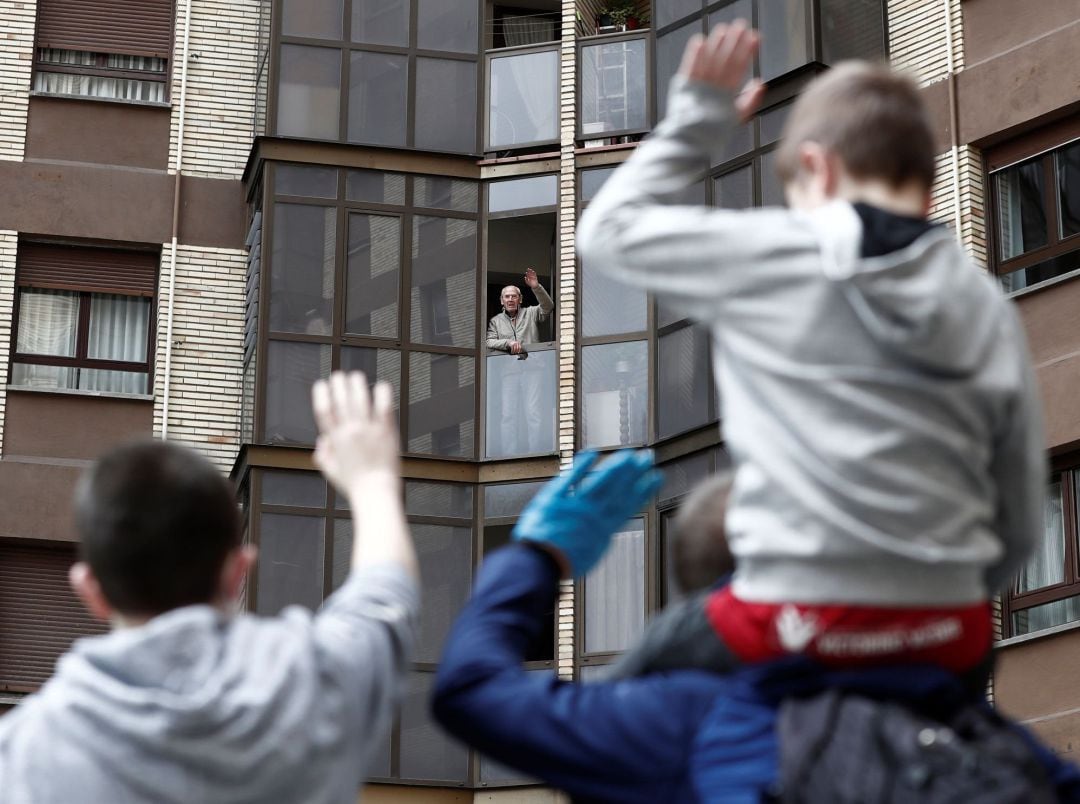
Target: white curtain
(615, 593)
(96, 86)
(48, 322)
(118, 331)
(521, 29)
(1046, 568)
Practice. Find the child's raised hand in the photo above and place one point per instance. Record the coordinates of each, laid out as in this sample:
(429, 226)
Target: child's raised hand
(723, 60)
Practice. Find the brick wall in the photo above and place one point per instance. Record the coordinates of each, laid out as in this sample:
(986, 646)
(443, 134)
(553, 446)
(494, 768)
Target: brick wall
(917, 38)
(16, 60)
(220, 88)
(208, 341)
(9, 242)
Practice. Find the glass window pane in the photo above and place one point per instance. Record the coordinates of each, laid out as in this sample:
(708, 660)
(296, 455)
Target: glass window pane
(381, 22)
(309, 92)
(610, 308)
(1068, 176)
(615, 388)
(378, 365)
(315, 19)
(683, 380)
(521, 404)
(342, 555)
(852, 29)
(524, 96)
(1047, 566)
(592, 180)
(771, 123)
(427, 753)
(438, 192)
(119, 327)
(680, 476)
(443, 295)
(772, 191)
(309, 181)
(113, 382)
(450, 25)
(615, 592)
(292, 369)
(1041, 272)
(442, 404)
(1021, 214)
(438, 499)
(445, 556)
(667, 11)
(302, 269)
(669, 53)
(48, 322)
(306, 489)
(446, 105)
(378, 95)
(612, 85)
(734, 190)
(290, 567)
(375, 187)
(1048, 615)
(535, 191)
(509, 499)
(373, 275)
(784, 41)
(27, 375)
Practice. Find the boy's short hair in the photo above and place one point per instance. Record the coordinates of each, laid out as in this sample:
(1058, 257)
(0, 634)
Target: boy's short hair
(156, 522)
(699, 550)
(872, 118)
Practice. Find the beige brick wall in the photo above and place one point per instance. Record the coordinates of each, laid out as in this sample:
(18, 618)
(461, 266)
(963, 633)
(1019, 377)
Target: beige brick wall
(208, 338)
(220, 89)
(9, 242)
(917, 37)
(16, 60)
(969, 178)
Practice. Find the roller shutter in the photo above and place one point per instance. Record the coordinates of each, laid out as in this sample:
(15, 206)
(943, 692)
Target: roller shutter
(98, 270)
(125, 27)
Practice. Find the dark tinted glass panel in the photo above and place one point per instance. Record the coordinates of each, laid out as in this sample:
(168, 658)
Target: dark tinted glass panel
(426, 752)
(592, 181)
(772, 191)
(610, 308)
(378, 93)
(1026, 277)
(305, 489)
(524, 93)
(682, 475)
(302, 273)
(292, 368)
(614, 380)
(382, 365)
(438, 499)
(381, 22)
(509, 499)
(445, 555)
(784, 41)
(734, 190)
(535, 191)
(1020, 207)
(447, 25)
(372, 282)
(375, 186)
(852, 29)
(309, 92)
(290, 568)
(772, 123)
(667, 11)
(444, 281)
(314, 19)
(683, 381)
(439, 192)
(441, 404)
(669, 52)
(446, 105)
(615, 592)
(342, 557)
(1068, 177)
(739, 10)
(310, 181)
(521, 404)
(670, 591)
(613, 96)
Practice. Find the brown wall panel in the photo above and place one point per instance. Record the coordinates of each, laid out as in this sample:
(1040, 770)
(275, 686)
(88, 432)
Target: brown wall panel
(99, 132)
(117, 203)
(72, 426)
(1035, 681)
(994, 26)
(36, 500)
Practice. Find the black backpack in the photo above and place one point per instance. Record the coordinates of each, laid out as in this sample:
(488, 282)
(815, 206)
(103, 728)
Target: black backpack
(840, 748)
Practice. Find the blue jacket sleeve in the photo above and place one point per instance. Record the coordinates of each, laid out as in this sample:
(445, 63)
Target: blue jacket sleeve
(624, 741)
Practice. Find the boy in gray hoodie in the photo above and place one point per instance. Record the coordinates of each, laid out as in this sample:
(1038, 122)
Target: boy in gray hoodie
(879, 404)
(188, 701)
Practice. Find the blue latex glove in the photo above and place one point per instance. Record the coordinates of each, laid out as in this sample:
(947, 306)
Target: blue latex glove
(577, 513)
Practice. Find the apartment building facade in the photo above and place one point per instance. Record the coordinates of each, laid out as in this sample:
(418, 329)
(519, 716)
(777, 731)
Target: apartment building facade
(213, 203)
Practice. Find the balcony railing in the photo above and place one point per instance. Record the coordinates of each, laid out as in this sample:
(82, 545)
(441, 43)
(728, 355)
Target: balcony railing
(523, 97)
(521, 406)
(614, 87)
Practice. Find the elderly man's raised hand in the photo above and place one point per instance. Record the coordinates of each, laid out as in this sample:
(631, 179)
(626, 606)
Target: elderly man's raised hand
(531, 280)
(723, 60)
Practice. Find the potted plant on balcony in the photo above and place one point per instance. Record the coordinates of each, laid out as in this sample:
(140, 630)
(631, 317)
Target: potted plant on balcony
(620, 14)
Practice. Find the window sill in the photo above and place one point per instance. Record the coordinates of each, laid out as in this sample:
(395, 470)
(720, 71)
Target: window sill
(76, 392)
(148, 104)
(1047, 632)
(1048, 283)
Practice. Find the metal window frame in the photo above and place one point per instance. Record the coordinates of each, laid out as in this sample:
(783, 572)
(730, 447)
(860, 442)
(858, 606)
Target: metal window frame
(510, 52)
(644, 34)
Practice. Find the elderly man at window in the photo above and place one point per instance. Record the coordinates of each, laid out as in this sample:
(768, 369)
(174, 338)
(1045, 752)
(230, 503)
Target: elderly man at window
(511, 331)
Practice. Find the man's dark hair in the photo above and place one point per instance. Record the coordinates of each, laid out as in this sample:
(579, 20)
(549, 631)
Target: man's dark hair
(156, 522)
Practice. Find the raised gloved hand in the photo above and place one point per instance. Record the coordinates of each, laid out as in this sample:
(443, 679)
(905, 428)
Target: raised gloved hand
(575, 515)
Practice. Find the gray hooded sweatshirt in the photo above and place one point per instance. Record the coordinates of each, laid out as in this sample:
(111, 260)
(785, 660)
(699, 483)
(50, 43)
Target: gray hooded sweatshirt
(197, 707)
(881, 412)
